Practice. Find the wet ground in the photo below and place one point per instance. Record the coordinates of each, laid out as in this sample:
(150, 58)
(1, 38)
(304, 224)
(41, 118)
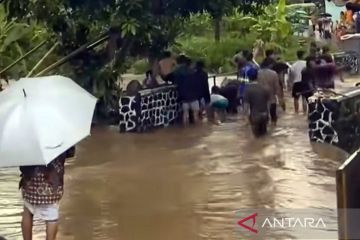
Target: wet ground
(182, 184)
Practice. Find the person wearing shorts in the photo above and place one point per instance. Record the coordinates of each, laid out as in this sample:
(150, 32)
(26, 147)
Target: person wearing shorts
(218, 105)
(42, 188)
(187, 86)
(295, 78)
(194, 107)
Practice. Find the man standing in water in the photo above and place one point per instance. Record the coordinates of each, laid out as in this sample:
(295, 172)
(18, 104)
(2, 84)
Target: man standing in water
(295, 79)
(270, 80)
(257, 99)
(42, 188)
(183, 77)
(202, 85)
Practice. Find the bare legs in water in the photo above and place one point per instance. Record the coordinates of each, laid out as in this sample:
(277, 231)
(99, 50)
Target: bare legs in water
(27, 226)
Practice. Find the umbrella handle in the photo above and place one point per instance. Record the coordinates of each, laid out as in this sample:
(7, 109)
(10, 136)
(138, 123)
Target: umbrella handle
(54, 147)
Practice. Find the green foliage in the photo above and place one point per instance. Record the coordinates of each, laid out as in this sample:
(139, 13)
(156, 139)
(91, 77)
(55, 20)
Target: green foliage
(140, 66)
(298, 15)
(198, 24)
(233, 22)
(240, 32)
(145, 27)
(16, 38)
(272, 26)
(217, 56)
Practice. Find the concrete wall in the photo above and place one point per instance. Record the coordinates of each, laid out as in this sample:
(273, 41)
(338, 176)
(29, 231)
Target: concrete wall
(150, 108)
(336, 121)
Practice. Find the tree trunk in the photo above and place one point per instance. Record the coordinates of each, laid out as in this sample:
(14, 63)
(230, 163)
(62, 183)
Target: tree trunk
(123, 53)
(217, 28)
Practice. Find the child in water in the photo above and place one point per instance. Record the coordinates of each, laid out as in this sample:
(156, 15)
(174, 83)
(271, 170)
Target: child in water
(218, 105)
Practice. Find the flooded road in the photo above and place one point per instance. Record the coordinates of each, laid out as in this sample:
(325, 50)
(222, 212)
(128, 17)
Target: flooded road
(181, 183)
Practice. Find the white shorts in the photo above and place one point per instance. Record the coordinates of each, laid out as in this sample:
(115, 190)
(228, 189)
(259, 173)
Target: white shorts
(194, 106)
(48, 213)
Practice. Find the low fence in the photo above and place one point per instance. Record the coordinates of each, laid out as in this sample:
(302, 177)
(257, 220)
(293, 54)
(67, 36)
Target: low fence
(154, 108)
(349, 60)
(336, 120)
(150, 108)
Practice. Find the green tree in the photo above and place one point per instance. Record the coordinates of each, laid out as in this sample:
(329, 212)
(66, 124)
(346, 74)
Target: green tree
(219, 8)
(17, 38)
(272, 26)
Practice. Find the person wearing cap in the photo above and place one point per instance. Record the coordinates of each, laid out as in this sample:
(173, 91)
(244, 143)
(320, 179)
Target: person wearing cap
(256, 103)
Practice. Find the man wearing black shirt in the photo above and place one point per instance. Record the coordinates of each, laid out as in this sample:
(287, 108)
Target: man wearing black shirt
(202, 84)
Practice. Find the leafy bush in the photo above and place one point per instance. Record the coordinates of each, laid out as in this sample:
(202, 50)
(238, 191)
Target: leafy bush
(272, 26)
(16, 38)
(216, 55)
(198, 24)
(239, 32)
(234, 23)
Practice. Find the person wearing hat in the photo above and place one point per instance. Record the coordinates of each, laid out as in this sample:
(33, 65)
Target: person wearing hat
(257, 101)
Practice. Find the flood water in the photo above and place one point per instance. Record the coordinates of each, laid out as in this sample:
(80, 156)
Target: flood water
(182, 183)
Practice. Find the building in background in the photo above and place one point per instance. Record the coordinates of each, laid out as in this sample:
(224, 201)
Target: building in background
(334, 10)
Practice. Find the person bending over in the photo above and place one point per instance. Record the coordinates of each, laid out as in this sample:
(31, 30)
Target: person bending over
(218, 105)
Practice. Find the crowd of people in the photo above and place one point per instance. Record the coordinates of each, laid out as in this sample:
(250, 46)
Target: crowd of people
(349, 22)
(308, 74)
(261, 87)
(323, 28)
(192, 84)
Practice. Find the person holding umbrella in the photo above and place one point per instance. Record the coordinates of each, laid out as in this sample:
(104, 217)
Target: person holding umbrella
(41, 119)
(42, 188)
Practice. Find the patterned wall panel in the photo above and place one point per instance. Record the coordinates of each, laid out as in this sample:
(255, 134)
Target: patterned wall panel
(151, 108)
(349, 60)
(336, 121)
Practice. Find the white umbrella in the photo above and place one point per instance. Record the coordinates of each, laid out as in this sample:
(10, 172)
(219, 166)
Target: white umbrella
(40, 118)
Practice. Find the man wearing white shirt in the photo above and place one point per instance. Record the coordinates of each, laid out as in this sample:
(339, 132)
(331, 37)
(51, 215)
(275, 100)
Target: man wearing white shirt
(295, 78)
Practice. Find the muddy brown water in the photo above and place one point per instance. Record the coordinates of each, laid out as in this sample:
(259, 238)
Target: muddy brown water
(182, 184)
